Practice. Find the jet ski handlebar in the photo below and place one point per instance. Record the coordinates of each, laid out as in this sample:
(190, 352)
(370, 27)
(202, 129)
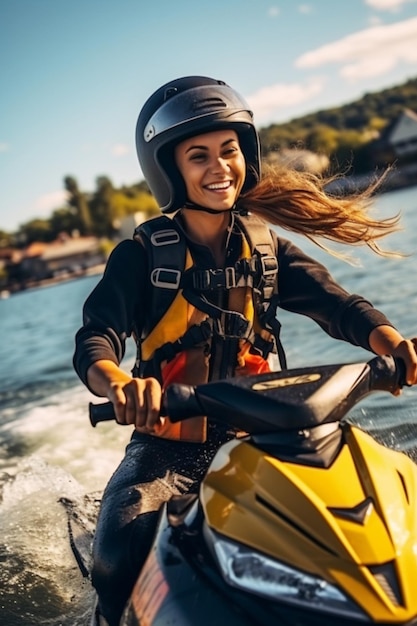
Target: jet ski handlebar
(286, 400)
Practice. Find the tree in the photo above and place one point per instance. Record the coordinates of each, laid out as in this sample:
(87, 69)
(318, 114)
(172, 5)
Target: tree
(323, 139)
(349, 144)
(6, 239)
(64, 220)
(101, 207)
(78, 200)
(36, 230)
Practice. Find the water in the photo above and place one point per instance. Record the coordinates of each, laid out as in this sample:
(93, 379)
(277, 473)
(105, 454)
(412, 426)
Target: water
(48, 450)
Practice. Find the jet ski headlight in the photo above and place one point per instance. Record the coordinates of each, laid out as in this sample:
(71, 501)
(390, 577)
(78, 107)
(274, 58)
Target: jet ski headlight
(252, 571)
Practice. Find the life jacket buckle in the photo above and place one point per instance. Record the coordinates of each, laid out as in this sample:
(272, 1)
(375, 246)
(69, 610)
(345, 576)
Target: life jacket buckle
(231, 325)
(166, 278)
(269, 265)
(230, 277)
(205, 280)
(165, 237)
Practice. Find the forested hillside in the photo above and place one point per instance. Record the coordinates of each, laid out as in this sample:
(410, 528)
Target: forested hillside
(343, 133)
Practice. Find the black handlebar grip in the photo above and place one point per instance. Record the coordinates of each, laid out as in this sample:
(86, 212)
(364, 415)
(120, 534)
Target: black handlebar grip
(180, 402)
(387, 373)
(401, 372)
(101, 413)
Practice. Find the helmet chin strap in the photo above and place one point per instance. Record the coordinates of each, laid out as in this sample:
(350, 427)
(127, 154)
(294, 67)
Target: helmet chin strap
(199, 207)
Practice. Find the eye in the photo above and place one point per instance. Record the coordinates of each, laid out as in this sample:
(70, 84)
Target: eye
(231, 150)
(198, 156)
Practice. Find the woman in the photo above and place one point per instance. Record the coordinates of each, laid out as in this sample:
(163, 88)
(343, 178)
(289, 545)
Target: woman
(199, 152)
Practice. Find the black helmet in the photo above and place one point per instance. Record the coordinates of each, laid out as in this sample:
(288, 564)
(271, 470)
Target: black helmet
(183, 108)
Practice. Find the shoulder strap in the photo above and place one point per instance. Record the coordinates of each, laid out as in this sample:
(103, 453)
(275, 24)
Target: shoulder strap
(260, 239)
(262, 245)
(166, 251)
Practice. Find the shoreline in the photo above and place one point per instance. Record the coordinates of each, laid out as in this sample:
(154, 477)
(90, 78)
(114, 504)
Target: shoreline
(49, 282)
(396, 180)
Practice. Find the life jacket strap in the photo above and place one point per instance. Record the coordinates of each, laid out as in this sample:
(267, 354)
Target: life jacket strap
(267, 317)
(229, 325)
(196, 335)
(262, 346)
(255, 272)
(226, 324)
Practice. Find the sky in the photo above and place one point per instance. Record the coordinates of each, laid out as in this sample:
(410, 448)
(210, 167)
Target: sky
(74, 75)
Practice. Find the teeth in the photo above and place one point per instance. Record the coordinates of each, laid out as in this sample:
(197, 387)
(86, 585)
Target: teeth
(224, 185)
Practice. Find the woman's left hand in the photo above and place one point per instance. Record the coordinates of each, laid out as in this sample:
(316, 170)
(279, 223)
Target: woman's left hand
(407, 351)
(387, 340)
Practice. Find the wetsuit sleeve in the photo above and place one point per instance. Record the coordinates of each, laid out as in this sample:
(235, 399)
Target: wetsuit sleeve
(306, 287)
(113, 310)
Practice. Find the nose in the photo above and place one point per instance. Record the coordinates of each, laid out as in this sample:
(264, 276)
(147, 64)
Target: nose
(219, 165)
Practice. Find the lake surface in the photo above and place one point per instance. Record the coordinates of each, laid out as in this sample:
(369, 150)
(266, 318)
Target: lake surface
(49, 451)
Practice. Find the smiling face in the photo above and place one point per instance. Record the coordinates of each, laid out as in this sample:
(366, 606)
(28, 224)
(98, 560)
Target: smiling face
(213, 168)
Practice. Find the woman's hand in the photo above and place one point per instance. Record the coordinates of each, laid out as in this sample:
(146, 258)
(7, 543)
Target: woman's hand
(406, 350)
(387, 340)
(136, 401)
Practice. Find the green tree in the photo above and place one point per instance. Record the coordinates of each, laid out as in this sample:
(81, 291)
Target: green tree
(36, 230)
(78, 200)
(101, 207)
(6, 239)
(323, 139)
(64, 220)
(349, 144)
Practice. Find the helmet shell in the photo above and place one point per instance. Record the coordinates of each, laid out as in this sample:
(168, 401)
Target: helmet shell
(183, 108)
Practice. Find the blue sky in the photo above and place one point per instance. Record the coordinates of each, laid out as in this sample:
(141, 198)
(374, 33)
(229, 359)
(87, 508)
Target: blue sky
(75, 73)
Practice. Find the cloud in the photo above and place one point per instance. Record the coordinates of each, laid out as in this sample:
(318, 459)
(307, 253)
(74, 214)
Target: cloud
(117, 149)
(50, 201)
(387, 5)
(375, 20)
(4, 147)
(273, 11)
(120, 149)
(366, 53)
(268, 100)
(305, 9)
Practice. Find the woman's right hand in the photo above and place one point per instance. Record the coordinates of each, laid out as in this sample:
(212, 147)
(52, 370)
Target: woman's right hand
(136, 401)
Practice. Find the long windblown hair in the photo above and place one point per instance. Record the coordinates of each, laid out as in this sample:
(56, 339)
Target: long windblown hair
(298, 202)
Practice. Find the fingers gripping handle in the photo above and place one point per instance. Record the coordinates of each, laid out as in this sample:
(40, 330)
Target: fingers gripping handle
(179, 402)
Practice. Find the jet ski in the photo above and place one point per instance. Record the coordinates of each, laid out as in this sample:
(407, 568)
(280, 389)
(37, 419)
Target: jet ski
(303, 519)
